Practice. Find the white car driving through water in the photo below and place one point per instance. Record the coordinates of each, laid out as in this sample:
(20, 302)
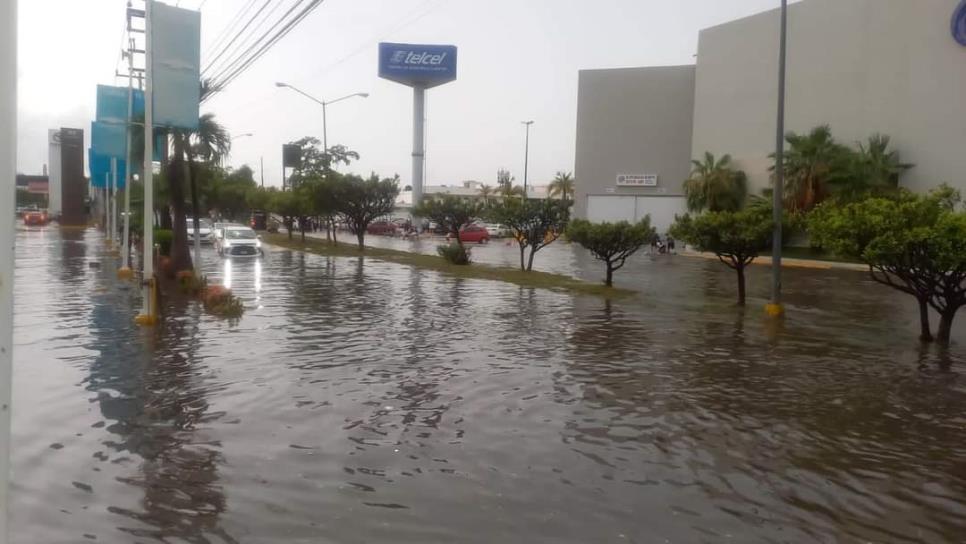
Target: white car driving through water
(237, 241)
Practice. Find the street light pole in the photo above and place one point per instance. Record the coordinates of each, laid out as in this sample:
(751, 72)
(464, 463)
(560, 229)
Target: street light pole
(774, 308)
(323, 103)
(526, 158)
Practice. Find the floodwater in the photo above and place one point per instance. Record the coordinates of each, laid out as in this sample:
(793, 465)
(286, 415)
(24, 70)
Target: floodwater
(363, 401)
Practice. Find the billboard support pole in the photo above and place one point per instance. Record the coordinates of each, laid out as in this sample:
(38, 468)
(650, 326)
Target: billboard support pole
(8, 173)
(419, 151)
(774, 307)
(113, 191)
(125, 271)
(148, 312)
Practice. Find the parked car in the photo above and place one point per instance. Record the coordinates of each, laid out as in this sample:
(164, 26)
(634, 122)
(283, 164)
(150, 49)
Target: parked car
(472, 234)
(381, 227)
(204, 230)
(496, 230)
(235, 241)
(35, 217)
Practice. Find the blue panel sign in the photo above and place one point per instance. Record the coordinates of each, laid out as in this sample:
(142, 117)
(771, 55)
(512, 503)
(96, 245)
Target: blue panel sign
(417, 65)
(100, 167)
(959, 23)
(109, 140)
(112, 104)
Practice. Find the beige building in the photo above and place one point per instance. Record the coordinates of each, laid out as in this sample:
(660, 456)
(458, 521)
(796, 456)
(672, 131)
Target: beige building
(860, 66)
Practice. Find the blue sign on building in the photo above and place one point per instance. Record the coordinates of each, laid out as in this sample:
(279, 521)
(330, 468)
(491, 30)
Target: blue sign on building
(100, 167)
(417, 65)
(959, 23)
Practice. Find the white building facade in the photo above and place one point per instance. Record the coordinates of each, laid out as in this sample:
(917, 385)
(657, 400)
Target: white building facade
(859, 66)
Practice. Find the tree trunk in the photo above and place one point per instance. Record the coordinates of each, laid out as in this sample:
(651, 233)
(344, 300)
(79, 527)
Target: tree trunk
(361, 235)
(165, 219)
(530, 260)
(180, 255)
(609, 282)
(741, 284)
(288, 227)
(523, 266)
(335, 239)
(925, 335)
(194, 210)
(302, 228)
(946, 326)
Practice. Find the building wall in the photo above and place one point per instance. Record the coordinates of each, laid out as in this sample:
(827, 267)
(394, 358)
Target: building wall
(860, 66)
(633, 121)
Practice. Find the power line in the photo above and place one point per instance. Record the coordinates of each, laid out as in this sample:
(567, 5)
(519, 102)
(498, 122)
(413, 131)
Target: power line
(246, 59)
(227, 30)
(237, 35)
(247, 40)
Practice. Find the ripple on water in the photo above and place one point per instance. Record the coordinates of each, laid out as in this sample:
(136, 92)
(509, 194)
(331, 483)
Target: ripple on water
(363, 401)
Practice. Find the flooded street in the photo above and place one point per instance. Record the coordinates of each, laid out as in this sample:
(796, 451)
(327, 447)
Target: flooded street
(364, 401)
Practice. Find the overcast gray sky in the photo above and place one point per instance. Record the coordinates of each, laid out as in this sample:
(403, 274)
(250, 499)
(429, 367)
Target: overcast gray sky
(518, 60)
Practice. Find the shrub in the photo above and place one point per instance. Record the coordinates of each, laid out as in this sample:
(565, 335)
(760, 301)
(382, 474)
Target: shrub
(191, 284)
(163, 238)
(454, 254)
(219, 300)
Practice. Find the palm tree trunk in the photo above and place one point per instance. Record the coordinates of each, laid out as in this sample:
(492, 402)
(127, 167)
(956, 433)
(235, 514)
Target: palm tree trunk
(195, 211)
(180, 256)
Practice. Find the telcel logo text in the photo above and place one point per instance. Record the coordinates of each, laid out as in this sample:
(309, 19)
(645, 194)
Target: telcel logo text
(412, 57)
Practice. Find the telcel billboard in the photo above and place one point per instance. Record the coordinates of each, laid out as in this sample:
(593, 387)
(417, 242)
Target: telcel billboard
(959, 23)
(423, 66)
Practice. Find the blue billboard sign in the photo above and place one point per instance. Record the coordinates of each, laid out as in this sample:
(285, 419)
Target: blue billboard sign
(959, 23)
(176, 66)
(100, 167)
(112, 104)
(417, 65)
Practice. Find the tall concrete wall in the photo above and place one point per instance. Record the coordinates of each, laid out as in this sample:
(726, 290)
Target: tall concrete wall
(633, 121)
(860, 66)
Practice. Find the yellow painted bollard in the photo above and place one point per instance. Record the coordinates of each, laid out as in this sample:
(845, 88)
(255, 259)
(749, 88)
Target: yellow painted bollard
(124, 273)
(774, 310)
(151, 318)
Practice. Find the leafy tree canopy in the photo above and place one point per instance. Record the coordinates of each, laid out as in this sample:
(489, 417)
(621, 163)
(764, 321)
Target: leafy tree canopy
(535, 223)
(612, 243)
(451, 213)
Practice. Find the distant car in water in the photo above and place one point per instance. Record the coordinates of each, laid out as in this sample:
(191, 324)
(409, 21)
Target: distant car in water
(35, 217)
(238, 241)
(472, 234)
(496, 230)
(381, 227)
(259, 220)
(204, 231)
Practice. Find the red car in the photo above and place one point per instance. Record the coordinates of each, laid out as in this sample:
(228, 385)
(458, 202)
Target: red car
(35, 217)
(472, 234)
(381, 227)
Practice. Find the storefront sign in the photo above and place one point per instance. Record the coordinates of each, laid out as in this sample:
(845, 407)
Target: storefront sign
(637, 180)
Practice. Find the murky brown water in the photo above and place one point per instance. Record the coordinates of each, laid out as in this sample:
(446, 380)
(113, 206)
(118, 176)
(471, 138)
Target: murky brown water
(362, 401)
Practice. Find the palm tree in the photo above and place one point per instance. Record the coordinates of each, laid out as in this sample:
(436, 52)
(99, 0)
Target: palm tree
(486, 191)
(562, 186)
(714, 185)
(876, 169)
(814, 163)
(210, 141)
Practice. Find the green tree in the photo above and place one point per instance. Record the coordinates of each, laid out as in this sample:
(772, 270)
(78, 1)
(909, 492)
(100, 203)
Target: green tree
(285, 204)
(486, 192)
(324, 193)
(562, 186)
(915, 244)
(452, 213)
(535, 223)
(26, 198)
(612, 243)
(715, 186)
(737, 238)
(814, 162)
(316, 162)
(361, 201)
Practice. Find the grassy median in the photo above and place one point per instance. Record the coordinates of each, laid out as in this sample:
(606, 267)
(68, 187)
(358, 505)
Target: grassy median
(541, 280)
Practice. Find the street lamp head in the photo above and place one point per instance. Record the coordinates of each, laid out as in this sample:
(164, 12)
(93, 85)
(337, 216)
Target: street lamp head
(280, 84)
(364, 95)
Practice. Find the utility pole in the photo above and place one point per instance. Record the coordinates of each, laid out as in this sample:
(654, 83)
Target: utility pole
(526, 159)
(774, 308)
(261, 162)
(8, 173)
(125, 271)
(148, 311)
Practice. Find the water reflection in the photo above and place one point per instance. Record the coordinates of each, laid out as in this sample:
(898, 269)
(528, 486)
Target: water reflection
(362, 401)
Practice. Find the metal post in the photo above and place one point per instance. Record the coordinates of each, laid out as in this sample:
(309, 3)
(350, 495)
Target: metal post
(113, 199)
(125, 270)
(261, 162)
(147, 316)
(526, 159)
(107, 206)
(8, 173)
(325, 131)
(774, 308)
(419, 151)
